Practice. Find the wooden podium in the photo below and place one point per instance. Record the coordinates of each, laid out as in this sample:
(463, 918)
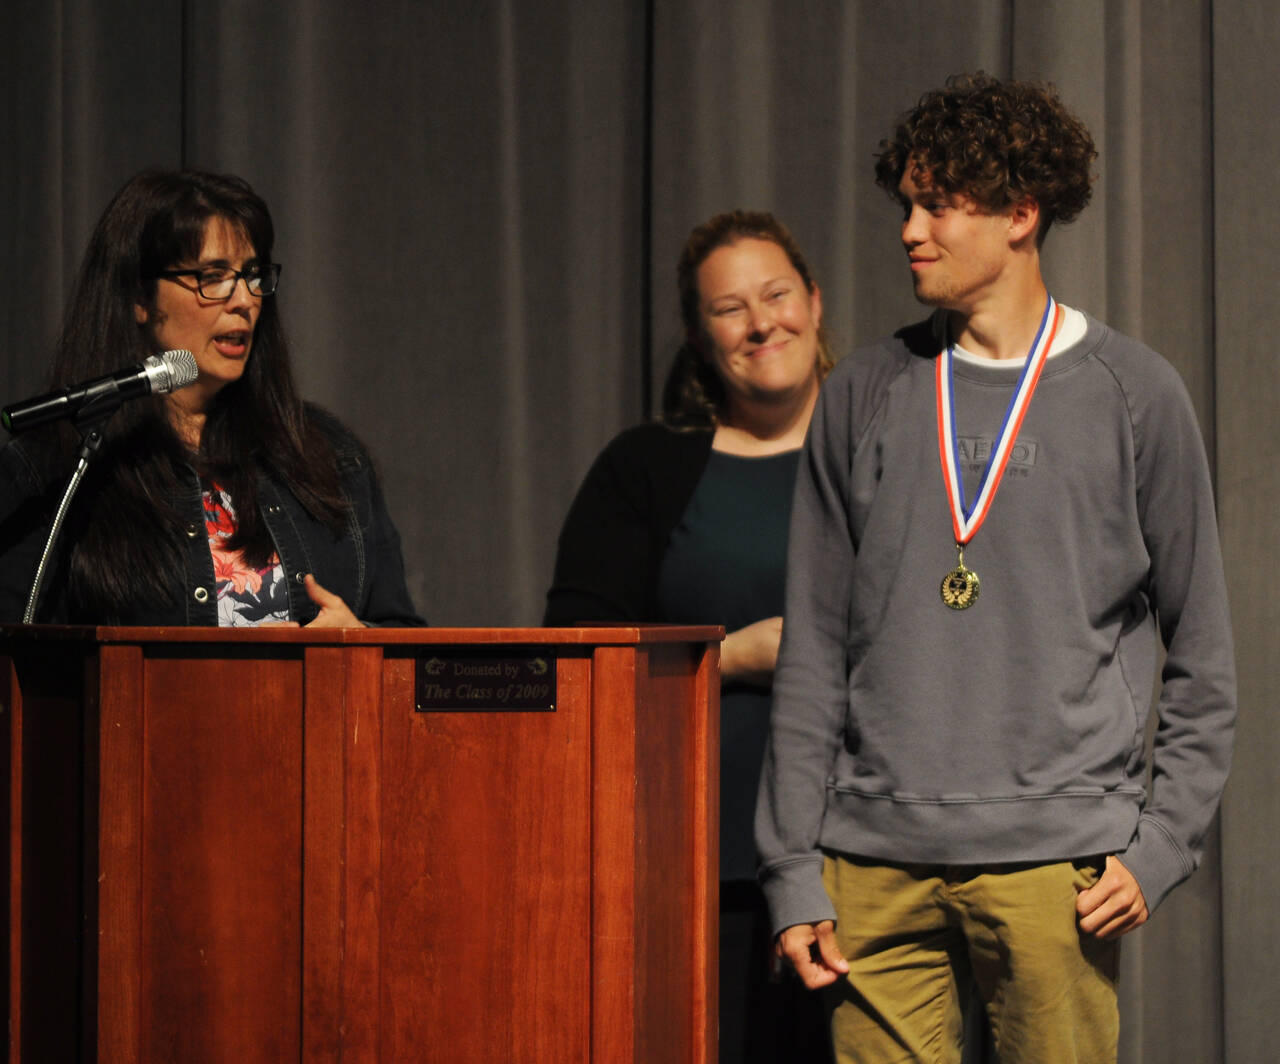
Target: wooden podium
(266, 845)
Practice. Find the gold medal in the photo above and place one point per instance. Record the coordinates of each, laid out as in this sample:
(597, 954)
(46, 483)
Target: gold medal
(960, 586)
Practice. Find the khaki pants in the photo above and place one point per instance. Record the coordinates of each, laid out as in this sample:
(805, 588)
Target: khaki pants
(915, 935)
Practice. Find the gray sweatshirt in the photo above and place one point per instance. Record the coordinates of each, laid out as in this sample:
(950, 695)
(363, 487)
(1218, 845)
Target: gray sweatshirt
(1014, 730)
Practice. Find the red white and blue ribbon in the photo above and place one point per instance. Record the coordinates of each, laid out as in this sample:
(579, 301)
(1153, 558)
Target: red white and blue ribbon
(966, 520)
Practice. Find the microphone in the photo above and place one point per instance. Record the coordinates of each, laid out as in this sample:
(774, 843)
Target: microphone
(157, 375)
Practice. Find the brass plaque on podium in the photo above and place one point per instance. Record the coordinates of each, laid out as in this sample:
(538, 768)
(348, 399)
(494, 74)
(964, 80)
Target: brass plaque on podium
(450, 680)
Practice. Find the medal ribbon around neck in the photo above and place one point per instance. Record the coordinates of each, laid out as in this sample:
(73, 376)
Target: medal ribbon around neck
(967, 520)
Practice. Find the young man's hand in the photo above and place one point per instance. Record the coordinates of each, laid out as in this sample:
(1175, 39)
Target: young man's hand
(813, 953)
(1114, 905)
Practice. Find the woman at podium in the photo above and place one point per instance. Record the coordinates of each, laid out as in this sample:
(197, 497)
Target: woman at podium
(224, 501)
(686, 521)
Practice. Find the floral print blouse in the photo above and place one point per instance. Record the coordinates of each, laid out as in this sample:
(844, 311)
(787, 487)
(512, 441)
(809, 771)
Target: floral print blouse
(246, 596)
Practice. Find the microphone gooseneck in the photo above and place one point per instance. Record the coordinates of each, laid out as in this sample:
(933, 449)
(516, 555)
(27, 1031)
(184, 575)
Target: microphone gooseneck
(91, 405)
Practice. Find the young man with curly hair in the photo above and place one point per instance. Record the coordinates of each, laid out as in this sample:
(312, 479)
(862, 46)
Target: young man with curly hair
(1000, 513)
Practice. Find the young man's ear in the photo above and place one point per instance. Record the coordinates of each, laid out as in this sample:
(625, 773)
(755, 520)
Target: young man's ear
(140, 314)
(1024, 220)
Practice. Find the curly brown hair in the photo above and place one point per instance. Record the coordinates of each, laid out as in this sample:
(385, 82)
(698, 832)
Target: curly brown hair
(694, 395)
(997, 142)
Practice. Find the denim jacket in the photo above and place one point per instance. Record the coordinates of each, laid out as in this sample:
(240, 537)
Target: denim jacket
(363, 565)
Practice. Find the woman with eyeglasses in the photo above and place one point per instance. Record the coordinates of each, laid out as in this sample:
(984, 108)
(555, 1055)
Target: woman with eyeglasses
(227, 502)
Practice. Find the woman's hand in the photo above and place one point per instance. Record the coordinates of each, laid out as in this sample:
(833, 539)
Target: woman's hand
(334, 613)
(750, 654)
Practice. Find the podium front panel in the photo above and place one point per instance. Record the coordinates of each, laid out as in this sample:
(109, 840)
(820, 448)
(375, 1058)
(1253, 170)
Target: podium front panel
(227, 847)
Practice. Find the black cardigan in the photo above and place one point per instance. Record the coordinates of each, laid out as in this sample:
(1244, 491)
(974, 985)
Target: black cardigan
(616, 532)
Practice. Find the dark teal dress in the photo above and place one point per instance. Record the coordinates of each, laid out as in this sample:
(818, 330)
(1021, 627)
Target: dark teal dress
(726, 564)
(665, 529)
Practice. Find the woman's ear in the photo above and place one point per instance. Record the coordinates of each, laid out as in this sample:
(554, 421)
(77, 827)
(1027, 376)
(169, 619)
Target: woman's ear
(140, 314)
(815, 303)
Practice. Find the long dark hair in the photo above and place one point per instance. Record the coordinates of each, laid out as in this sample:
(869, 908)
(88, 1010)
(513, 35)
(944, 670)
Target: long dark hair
(127, 534)
(694, 395)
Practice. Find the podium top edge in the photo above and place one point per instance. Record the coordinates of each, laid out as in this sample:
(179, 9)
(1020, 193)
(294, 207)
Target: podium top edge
(584, 635)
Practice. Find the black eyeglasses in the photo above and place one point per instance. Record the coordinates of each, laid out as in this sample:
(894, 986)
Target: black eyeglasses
(218, 282)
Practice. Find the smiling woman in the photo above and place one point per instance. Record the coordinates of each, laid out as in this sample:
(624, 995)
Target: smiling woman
(228, 502)
(760, 321)
(687, 522)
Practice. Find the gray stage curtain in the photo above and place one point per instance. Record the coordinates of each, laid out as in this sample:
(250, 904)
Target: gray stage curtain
(479, 207)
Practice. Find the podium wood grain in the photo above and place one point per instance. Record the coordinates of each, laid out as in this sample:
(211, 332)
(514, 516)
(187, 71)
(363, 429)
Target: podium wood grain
(243, 847)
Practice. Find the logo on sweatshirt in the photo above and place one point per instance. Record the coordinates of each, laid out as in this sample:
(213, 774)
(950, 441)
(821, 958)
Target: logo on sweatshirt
(976, 450)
